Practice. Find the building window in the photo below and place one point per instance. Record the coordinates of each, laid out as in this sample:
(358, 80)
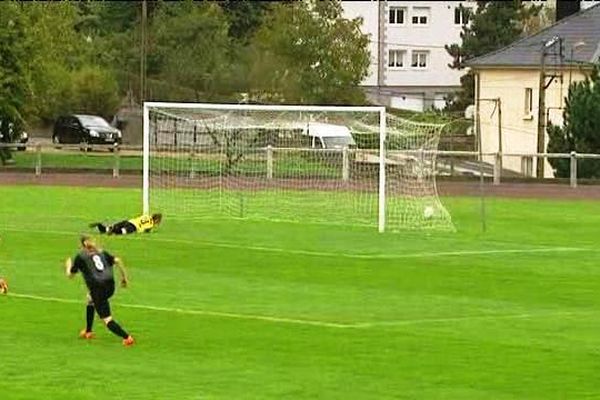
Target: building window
(528, 109)
(461, 15)
(397, 15)
(419, 59)
(396, 58)
(420, 15)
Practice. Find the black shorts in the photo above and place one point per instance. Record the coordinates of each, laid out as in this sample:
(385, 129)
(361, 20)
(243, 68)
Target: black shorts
(100, 295)
(122, 228)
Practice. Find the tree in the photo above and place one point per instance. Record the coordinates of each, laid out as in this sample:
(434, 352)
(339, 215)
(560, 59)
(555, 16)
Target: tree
(14, 86)
(62, 51)
(191, 45)
(113, 29)
(543, 19)
(54, 48)
(244, 17)
(95, 91)
(494, 24)
(305, 52)
(234, 144)
(579, 131)
(103, 18)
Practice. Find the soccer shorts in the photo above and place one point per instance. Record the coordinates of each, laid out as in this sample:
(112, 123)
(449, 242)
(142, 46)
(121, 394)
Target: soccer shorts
(122, 228)
(100, 295)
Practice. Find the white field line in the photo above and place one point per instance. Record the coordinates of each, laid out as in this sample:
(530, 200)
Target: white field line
(372, 256)
(325, 324)
(458, 253)
(266, 318)
(490, 317)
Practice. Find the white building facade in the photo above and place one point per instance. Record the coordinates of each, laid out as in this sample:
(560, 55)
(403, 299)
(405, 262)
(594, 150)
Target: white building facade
(588, 3)
(409, 64)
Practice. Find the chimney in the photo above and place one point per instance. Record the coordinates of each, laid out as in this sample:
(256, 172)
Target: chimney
(564, 8)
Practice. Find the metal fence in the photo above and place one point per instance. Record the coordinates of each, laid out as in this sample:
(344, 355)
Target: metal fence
(450, 164)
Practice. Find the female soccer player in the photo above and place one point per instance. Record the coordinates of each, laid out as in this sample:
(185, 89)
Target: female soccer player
(96, 266)
(143, 223)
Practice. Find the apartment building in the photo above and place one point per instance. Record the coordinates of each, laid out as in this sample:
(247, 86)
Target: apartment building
(409, 64)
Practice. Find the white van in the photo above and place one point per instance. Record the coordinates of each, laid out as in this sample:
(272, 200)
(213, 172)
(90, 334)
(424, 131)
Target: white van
(328, 136)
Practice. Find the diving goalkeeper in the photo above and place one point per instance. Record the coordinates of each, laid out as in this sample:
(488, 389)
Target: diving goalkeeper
(144, 223)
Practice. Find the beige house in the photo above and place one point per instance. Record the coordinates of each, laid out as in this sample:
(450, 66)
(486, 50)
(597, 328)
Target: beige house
(509, 88)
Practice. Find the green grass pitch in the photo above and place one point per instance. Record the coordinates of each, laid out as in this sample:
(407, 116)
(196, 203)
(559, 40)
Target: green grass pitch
(232, 309)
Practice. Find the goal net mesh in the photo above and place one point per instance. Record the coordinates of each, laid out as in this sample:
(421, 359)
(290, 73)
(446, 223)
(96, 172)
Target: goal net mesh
(302, 166)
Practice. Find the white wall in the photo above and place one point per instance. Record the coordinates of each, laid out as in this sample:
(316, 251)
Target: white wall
(413, 103)
(369, 12)
(431, 37)
(439, 31)
(587, 3)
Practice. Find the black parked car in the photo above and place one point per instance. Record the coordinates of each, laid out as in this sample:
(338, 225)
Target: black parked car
(84, 129)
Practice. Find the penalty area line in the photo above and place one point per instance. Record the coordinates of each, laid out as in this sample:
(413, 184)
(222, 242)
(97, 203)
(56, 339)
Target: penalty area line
(372, 256)
(457, 253)
(467, 318)
(324, 324)
(265, 318)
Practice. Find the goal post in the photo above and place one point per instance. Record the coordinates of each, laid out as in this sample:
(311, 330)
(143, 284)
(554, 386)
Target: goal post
(352, 165)
(146, 160)
(381, 211)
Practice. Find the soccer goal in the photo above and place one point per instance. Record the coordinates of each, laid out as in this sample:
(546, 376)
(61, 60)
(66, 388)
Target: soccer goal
(313, 164)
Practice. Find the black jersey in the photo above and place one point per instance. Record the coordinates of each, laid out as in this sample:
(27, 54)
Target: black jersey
(96, 268)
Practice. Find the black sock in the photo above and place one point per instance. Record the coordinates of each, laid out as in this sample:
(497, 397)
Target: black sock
(89, 317)
(117, 330)
(100, 226)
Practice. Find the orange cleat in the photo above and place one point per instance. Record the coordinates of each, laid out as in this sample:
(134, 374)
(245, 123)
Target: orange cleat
(128, 341)
(86, 335)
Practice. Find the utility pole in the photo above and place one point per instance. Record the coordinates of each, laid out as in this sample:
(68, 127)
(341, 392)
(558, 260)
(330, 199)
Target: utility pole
(143, 53)
(499, 104)
(477, 92)
(541, 114)
(541, 128)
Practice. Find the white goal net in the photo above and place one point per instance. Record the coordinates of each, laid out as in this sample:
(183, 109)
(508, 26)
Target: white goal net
(308, 164)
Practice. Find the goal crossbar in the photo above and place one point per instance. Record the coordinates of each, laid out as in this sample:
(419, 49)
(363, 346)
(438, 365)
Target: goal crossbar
(258, 107)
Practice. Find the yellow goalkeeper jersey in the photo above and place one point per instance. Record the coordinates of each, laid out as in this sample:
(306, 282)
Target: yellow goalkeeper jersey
(143, 223)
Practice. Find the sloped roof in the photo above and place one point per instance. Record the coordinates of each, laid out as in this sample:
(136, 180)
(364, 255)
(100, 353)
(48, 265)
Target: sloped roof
(582, 27)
